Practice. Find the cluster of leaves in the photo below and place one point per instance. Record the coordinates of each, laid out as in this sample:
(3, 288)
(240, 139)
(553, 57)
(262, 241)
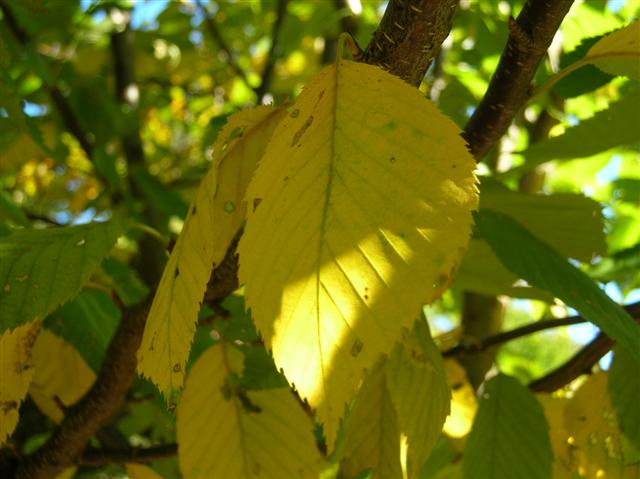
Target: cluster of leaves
(340, 214)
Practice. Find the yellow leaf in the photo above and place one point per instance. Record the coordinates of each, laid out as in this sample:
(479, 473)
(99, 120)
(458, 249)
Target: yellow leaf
(61, 376)
(365, 195)
(464, 404)
(372, 432)
(618, 53)
(68, 473)
(223, 433)
(564, 461)
(214, 219)
(418, 385)
(591, 421)
(140, 471)
(16, 373)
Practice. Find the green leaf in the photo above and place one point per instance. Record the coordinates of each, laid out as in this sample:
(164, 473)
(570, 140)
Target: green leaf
(624, 390)
(617, 125)
(583, 80)
(88, 322)
(420, 392)
(10, 211)
(41, 269)
(482, 272)
(510, 435)
(125, 281)
(618, 53)
(372, 431)
(364, 194)
(543, 267)
(572, 224)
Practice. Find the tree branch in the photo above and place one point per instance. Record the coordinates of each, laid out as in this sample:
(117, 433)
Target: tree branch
(466, 348)
(582, 362)
(84, 419)
(103, 457)
(274, 51)
(409, 37)
(529, 38)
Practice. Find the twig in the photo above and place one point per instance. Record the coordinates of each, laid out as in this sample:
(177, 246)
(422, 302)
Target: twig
(97, 407)
(582, 362)
(103, 457)
(274, 51)
(482, 345)
(529, 37)
(409, 37)
(222, 44)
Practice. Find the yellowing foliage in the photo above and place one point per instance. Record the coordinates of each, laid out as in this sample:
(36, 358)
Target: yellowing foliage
(365, 195)
(215, 217)
(141, 471)
(619, 52)
(372, 431)
(223, 433)
(61, 376)
(16, 373)
(595, 436)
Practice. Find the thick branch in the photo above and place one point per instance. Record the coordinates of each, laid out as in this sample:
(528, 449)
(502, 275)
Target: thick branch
(409, 37)
(274, 51)
(97, 407)
(529, 38)
(103, 457)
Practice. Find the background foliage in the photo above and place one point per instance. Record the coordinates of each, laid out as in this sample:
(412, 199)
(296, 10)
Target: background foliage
(111, 114)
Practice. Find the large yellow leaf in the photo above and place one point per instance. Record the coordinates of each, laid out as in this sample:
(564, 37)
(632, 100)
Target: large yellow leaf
(223, 433)
(214, 219)
(365, 195)
(61, 376)
(372, 432)
(418, 386)
(564, 462)
(16, 372)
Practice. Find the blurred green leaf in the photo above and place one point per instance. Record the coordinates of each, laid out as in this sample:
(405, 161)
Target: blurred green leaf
(510, 435)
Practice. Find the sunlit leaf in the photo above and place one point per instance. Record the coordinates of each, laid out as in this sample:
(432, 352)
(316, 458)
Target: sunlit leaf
(597, 441)
(364, 193)
(624, 389)
(41, 269)
(618, 53)
(214, 219)
(61, 376)
(418, 385)
(543, 267)
(225, 433)
(464, 404)
(372, 431)
(510, 435)
(617, 125)
(16, 372)
(564, 463)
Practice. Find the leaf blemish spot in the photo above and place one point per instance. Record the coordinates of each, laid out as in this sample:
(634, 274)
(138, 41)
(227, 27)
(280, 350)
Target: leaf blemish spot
(176, 273)
(81, 242)
(21, 279)
(392, 159)
(177, 368)
(229, 206)
(295, 113)
(356, 348)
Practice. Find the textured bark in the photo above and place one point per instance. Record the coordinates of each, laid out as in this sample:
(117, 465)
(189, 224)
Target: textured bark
(529, 38)
(409, 37)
